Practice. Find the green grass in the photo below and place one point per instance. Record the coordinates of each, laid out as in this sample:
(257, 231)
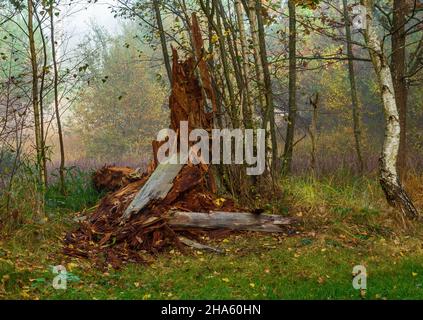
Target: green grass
(253, 267)
(80, 192)
(345, 223)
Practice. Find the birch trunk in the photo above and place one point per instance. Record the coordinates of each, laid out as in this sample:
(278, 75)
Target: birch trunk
(389, 180)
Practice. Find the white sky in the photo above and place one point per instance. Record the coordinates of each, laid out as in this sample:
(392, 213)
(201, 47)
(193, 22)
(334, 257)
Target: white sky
(78, 23)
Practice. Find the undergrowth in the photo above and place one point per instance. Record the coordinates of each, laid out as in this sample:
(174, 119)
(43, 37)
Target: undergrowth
(344, 221)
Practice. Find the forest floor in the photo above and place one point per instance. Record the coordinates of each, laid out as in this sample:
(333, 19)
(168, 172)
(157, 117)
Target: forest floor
(345, 223)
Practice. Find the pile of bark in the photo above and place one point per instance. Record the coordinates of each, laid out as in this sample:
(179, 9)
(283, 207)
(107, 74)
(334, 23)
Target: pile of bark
(112, 239)
(111, 178)
(169, 204)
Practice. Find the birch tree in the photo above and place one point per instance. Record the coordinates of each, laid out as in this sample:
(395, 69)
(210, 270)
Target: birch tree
(389, 179)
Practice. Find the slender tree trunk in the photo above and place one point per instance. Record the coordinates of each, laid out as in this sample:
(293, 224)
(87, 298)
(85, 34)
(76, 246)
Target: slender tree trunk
(226, 69)
(353, 86)
(56, 104)
(313, 133)
(256, 49)
(249, 111)
(398, 67)
(41, 101)
(35, 96)
(389, 179)
(269, 118)
(237, 68)
(292, 112)
(159, 21)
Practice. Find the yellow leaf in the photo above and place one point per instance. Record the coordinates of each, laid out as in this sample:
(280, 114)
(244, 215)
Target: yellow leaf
(214, 38)
(219, 201)
(414, 274)
(71, 266)
(225, 279)
(252, 285)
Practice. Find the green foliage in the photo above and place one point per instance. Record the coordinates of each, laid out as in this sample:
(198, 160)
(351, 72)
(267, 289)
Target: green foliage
(120, 111)
(342, 193)
(80, 192)
(21, 200)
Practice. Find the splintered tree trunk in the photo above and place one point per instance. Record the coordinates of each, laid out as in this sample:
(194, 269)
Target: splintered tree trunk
(389, 180)
(353, 86)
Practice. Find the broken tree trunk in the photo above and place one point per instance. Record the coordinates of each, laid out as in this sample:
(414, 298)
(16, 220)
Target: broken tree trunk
(230, 220)
(139, 217)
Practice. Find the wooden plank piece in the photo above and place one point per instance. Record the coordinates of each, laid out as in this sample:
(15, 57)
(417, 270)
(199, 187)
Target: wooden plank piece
(156, 188)
(230, 220)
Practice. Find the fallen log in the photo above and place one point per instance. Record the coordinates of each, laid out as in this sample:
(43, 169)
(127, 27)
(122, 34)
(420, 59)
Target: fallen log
(230, 220)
